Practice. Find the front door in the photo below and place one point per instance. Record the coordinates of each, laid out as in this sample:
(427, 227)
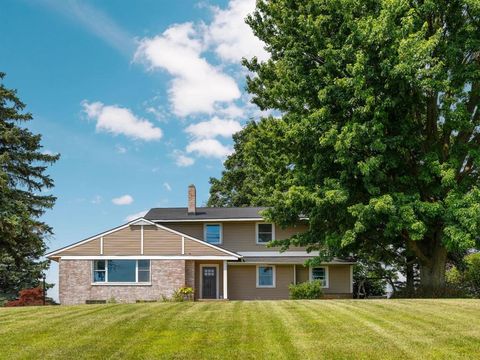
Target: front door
(209, 282)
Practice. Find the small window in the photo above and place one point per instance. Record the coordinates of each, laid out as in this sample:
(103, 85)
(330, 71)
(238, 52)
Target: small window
(213, 233)
(99, 271)
(121, 271)
(266, 276)
(265, 233)
(320, 273)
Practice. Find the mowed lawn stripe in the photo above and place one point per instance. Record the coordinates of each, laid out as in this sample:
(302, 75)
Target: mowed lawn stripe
(365, 339)
(334, 329)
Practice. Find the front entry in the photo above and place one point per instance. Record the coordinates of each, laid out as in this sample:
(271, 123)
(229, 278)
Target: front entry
(209, 282)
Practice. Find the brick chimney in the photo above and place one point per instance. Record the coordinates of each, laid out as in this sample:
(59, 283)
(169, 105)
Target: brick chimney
(192, 200)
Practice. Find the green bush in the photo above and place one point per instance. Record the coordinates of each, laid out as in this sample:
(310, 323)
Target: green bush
(183, 294)
(467, 279)
(306, 290)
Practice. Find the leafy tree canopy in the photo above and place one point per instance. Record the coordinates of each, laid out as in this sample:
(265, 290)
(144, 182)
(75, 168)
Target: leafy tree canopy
(379, 142)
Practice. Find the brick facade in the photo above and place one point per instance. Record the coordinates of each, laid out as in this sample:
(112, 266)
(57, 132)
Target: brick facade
(190, 273)
(75, 282)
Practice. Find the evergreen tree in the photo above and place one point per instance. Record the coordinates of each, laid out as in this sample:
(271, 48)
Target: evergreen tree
(23, 179)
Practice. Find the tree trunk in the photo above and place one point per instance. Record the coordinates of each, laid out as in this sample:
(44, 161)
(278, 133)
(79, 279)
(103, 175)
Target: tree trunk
(432, 273)
(410, 276)
(432, 259)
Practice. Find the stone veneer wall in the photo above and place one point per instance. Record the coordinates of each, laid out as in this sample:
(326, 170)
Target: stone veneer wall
(75, 282)
(190, 273)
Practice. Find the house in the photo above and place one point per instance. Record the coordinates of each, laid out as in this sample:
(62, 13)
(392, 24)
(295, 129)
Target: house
(221, 253)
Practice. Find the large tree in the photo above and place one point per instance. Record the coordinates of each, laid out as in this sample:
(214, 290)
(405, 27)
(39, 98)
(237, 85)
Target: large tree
(380, 111)
(23, 179)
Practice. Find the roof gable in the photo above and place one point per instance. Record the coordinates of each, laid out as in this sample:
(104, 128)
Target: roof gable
(141, 237)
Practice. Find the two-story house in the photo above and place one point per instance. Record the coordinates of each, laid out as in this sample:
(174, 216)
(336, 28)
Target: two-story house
(220, 252)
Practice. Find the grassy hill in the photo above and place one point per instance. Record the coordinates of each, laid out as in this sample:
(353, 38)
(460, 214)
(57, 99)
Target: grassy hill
(343, 329)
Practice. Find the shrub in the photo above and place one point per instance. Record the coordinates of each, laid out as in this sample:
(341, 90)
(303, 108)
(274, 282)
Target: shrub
(184, 293)
(306, 290)
(28, 297)
(468, 279)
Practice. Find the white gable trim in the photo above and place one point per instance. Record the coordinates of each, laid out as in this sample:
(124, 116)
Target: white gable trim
(142, 221)
(149, 257)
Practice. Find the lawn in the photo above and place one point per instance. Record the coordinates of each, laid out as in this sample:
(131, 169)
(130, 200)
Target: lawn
(337, 329)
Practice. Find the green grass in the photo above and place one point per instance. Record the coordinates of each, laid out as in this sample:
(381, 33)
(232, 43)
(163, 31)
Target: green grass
(337, 329)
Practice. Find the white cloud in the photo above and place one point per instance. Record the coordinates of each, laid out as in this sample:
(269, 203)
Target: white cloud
(214, 127)
(209, 148)
(232, 111)
(123, 200)
(96, 22)
(137, 215)
(117, 120)
(197, 86)
(230, 36)
(181, 159)
(167, 186)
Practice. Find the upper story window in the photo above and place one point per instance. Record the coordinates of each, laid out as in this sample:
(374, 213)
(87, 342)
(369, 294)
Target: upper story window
(265, 233)
(213, 233)
(121, 271)
(319, 273)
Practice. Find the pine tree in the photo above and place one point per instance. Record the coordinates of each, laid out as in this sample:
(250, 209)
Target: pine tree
(23, 180)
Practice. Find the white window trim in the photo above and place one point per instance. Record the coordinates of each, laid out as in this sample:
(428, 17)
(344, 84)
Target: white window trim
(256, 232)
(135, 283)
(205, 233)
(274, 277)
(201, 279)
(327, 276)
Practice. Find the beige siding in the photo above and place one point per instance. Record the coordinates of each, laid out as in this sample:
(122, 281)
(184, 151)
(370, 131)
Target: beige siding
(242, 283)
(303, 274)
(89, 248)
(161, 242)
(238, 235)
(338, 278)
(156, 241)
(198, 274)
(122, 242)
(193, 229)
(196, 248)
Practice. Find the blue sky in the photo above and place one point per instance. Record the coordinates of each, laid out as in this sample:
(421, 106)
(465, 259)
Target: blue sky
(139, 98)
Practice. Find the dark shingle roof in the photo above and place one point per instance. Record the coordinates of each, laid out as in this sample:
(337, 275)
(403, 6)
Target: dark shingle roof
(207, 213)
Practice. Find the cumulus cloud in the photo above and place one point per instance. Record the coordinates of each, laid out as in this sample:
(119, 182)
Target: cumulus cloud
(181, 159)
(118, 120)
(123, 200)
(137, 215)
(214, 127)
(209, 148)
(197, 85)
(230, 36)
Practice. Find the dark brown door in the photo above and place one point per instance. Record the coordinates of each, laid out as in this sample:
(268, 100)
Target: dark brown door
(209, 282)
